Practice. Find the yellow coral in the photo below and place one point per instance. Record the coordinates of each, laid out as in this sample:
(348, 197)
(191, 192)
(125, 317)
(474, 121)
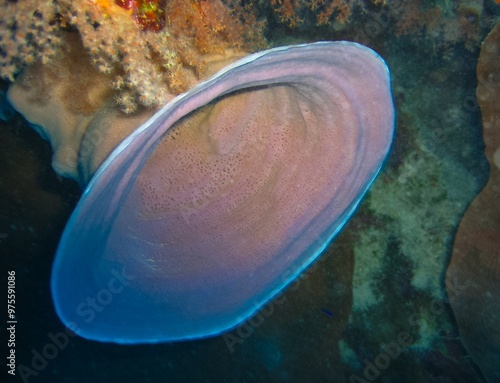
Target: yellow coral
(108, 7)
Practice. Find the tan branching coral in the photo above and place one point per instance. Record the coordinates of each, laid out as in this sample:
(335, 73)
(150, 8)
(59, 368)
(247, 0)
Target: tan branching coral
(28, 34)
(290, 11)
(442, 23)
(148, 65)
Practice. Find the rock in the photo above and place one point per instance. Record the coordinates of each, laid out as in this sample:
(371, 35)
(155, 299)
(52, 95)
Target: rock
(473, 276)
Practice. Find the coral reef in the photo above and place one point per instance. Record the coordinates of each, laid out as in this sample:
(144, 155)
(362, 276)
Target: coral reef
(405, 229)
(150, 51)
(443, 23)
(73, 105)
(436, 168)
(292, 12)
(153, 47)
(70, 103)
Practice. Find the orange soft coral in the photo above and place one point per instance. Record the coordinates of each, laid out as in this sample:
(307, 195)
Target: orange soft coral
(149, 14)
